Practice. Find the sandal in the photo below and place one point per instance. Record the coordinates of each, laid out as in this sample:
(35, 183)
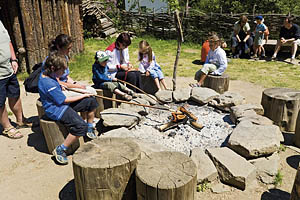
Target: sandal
(12, 132)
(127, 97)
(195, 85)
(24, 124)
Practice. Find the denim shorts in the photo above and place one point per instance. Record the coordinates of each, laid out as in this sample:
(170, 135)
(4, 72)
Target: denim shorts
(156, 73)
(9, 87)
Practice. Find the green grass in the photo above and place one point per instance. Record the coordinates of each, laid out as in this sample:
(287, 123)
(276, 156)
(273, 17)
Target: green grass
(278, 179)
(266, 74)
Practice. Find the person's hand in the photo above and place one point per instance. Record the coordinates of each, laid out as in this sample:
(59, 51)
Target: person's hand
(124, 67)
(239, 40)
(14, 66)
(114, 79)
(80, 86)
(88, 95)
(245, 40)
(130, 66)
(260, 32)
(283, 40)
(147, 73)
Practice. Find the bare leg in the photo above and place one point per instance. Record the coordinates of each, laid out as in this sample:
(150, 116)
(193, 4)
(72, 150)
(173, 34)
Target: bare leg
(259, 50)
(157, 83)
(91, 116)
(202, 78)
(233, 50)
(119, 92)
(277, 48)
(163, 83)
(294, 49)
(70, 139)
(4, 117)
(16, 107)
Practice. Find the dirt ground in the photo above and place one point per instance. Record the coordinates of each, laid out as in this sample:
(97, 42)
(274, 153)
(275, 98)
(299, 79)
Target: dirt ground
(27, 171)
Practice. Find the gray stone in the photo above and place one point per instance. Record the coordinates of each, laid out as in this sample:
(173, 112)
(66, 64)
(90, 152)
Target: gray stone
(203, 95)
(164, 96)
(227, 100)
(206, 171)
(232, 168)
(256, 119)
(139, 109)
(148, 98)
(119, 132)
(114, 117)
(220, 188)
(245, 110)
(181, 95)
(266, 168)
(252, 141)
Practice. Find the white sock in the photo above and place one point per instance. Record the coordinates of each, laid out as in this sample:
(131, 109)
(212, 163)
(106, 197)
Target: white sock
(274, 55)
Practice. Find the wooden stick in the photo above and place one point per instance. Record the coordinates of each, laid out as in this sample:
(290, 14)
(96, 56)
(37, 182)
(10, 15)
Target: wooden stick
(121, 101)
(140, 90)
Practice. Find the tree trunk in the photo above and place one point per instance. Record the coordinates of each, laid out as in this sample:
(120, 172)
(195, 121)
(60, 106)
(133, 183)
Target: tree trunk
(295, 194)
(282, 106)
(297, 132)
(218, 83)
(167, 176)
(104, 169)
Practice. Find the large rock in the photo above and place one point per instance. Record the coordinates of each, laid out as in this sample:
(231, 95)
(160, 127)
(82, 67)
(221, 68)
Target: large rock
(266, 168)
(256, 119)
(244, 110)
(227, 100)
(181, 95)
(232, 168)
(148, 98)
(203, 95)
(206, 171)
(252, 141)
(165, 96)
(115, 117)
(138, 109)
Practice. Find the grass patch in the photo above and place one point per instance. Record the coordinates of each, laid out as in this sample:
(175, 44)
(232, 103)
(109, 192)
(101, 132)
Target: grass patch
(9, 113)
(266, 74)
(282, 148)
(202, 187)
(278, 179)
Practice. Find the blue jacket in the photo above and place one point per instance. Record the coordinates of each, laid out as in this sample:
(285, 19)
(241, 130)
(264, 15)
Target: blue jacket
(100, 75)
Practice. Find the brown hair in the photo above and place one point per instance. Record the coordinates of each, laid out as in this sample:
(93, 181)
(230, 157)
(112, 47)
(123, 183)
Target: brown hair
(243, 18)
(144, 48)
(54, 62)
(290, 19)
(60, 41)
(123, 38)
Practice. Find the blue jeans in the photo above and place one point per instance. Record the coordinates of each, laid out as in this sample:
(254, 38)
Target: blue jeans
(156, 73)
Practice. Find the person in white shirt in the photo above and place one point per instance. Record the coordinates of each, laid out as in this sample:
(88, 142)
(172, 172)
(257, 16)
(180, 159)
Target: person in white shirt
(118, 63)
(216, 62)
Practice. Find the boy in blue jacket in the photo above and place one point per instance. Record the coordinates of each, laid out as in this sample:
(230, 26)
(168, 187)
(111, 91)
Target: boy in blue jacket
(102, 80)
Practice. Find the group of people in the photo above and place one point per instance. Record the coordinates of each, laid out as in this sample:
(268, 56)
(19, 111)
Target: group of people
(242, 38)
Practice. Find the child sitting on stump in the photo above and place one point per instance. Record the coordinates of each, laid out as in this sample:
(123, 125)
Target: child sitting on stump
(102, 80)
(64, 109)
(216, 62)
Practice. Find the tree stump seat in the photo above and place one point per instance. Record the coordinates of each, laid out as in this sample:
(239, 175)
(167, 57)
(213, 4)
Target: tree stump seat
(166, 175)
(296, 138)
(218, 83)
(55, 134)
(295, 194)
(103, 103)
(148, 84)
(104, 169)
(40, 108)
(282, 106)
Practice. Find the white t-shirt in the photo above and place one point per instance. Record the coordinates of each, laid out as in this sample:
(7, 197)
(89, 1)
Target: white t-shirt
(5, 54)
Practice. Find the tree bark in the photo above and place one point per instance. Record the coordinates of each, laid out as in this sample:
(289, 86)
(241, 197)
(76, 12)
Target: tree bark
(295, 194)
(104, 169)
(218, 83)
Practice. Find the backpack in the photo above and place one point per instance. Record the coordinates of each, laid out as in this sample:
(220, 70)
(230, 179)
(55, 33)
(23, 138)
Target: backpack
(31, 82)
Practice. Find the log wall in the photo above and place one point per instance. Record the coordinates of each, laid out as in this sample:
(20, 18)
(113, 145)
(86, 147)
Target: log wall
(33, 23)
(196, 26)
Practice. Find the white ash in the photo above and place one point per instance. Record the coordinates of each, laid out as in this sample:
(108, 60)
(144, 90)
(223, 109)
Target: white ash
(217, 127)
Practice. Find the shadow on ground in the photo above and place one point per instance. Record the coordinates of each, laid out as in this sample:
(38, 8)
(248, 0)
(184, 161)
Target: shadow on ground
(275, 194)
(197, 62)
(68, 192)
(37, 140)
(293, 161)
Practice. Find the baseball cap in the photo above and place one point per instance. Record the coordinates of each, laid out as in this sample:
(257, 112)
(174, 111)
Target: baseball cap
(259, 17)
(101, 56)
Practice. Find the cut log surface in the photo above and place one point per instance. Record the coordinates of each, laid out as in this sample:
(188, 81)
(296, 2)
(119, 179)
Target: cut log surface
(104, 169)
(295, 194)
(55, 134)
(218, 83)
(167, 176)
(282, 106)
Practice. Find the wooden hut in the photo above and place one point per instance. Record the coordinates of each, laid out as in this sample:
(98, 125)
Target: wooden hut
(33, 23)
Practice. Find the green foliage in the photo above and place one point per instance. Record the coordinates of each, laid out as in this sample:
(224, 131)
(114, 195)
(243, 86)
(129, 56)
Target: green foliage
(282, 147)
(9, 113)
(278, 179)
(202, 187)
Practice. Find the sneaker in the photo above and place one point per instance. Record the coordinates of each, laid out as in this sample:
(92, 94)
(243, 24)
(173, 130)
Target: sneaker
(91, 133)
(60, 155)
(274, 58)
(133, 94)
(293, 61)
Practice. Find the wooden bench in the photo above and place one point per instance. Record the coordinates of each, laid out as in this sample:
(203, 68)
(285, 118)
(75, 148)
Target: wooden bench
(103, 103)
(270, 46)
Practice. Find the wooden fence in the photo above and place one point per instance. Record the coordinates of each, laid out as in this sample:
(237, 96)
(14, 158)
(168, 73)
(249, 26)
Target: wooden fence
(33, 23)
(196, 26)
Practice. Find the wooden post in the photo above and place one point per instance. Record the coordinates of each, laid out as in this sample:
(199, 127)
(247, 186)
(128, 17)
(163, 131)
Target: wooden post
(297, 132)
(104, 104)
(104, 169)
(166, 175)
(55, 134)
(218, 83)
(282, 106)
(40, 108)
(295, 194)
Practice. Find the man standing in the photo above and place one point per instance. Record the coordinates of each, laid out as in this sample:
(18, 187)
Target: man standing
(9, 87)
(289, 34)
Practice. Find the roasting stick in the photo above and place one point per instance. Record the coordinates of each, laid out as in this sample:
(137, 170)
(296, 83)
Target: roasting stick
(118, 100)
(140, 90)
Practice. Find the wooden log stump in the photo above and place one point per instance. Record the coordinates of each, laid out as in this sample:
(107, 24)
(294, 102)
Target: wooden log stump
(218, 83)
(295, 194)
(103, 103)
(148, 84)
(282, 106)
(40, 108)
(104, 169)
(55, 134)
(167, 176)
(297, 132)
